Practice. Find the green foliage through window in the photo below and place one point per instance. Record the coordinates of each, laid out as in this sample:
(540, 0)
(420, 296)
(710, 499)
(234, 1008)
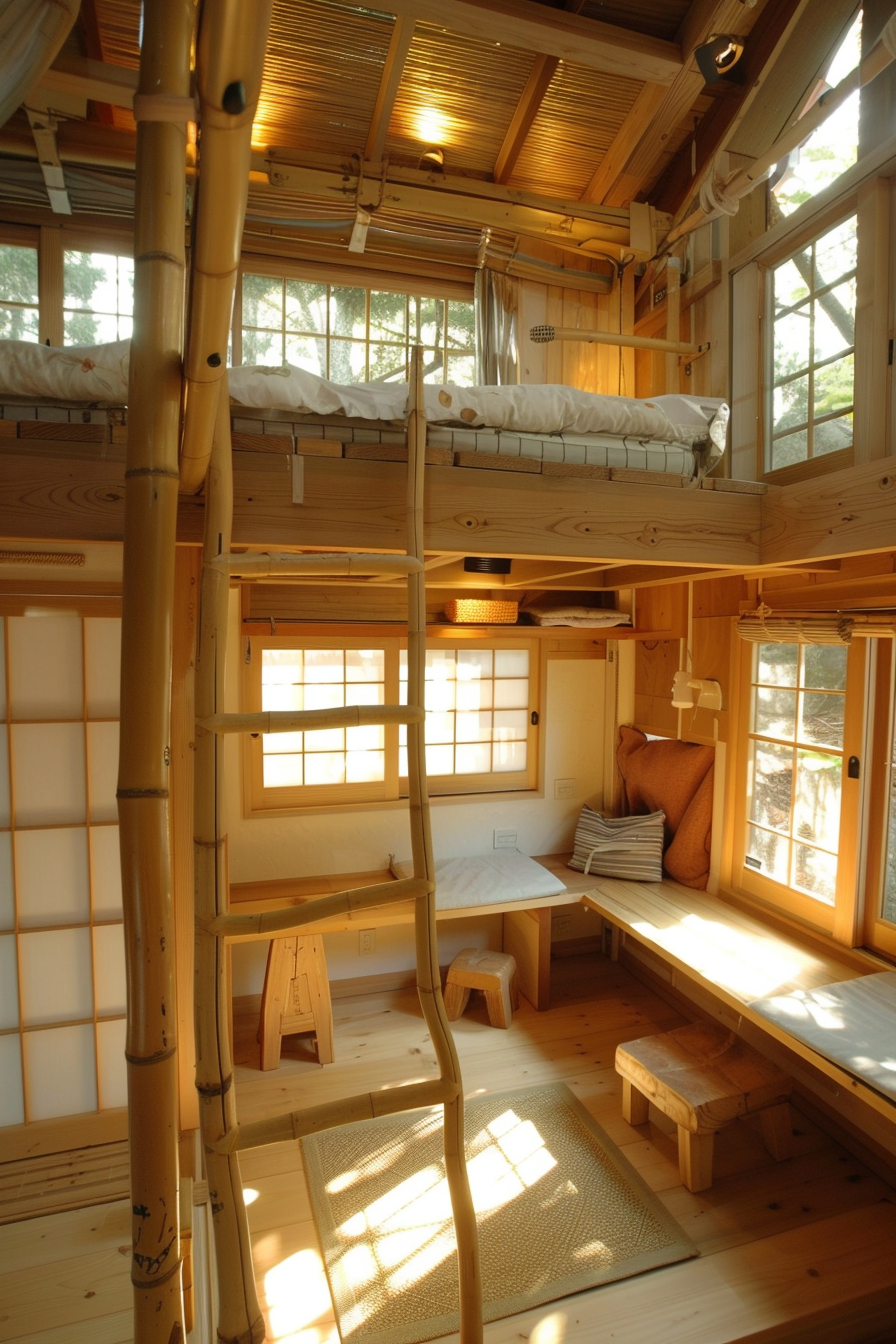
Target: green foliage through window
(351, 334)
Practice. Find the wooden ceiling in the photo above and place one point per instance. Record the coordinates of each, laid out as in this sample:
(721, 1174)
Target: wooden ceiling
(551, 118)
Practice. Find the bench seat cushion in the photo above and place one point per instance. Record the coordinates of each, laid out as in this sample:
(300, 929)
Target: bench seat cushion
(487, 880)
(852, 1023)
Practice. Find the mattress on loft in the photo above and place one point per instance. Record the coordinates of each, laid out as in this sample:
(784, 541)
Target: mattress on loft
(675, 433)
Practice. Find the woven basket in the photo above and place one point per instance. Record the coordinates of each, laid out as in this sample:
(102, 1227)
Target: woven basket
(481, 611)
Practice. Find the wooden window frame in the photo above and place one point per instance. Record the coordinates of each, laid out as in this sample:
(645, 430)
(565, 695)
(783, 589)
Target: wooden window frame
(260, 802)
(879, 934)
(284, 269)
(841, 920)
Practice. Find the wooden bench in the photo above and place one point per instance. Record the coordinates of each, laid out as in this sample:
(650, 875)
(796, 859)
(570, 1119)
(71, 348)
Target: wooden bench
(719, 957)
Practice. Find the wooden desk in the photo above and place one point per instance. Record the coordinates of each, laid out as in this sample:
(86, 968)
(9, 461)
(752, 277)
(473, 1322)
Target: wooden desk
(527, 923)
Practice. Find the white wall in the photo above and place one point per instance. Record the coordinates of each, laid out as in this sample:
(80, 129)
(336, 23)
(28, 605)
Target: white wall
(363, 838)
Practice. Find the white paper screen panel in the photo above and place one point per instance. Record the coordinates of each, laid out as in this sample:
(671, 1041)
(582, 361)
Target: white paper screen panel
(9, 985)
(56, 974)
(12, 1101)
(3, 667)
(102, 660)
(7, 901)
(105, 872)
(112, 1071)
(52, 879)
(62, 968)
(5, 812)
(108, 953)
(46, 679)
(60, 1071)
(102, 770)
(48, 766)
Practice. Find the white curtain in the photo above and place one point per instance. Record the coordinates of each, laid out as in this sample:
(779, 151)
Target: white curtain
(497, 357)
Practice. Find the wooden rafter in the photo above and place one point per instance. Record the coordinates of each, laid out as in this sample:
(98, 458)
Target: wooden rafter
(551, 32)
(631, 156)
(527, 108)
(393, 69)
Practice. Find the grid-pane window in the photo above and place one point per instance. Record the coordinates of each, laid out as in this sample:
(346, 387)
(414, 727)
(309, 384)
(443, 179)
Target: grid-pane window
(352, 334)
(98, 297)
(798, 718)
(480, 725)
(809, 411)
(19, 311)
(477, 712)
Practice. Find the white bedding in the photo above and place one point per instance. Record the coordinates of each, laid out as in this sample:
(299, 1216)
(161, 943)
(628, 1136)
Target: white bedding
(852, 1022)
(487, 880)
(100, 373)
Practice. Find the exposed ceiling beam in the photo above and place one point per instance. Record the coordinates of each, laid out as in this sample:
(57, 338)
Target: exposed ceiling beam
(550, 32)
(570, 226)
(111, 84)
(393, 69)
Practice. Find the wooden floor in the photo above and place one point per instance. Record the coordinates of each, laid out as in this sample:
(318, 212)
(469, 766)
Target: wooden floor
(803, 1250)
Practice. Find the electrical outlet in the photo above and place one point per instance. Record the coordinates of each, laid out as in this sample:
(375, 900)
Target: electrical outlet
(366, 942)
(562, 926)
(564, 788)
(505, 839)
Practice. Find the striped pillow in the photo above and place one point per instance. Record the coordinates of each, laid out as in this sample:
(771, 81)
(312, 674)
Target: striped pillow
(629, 847)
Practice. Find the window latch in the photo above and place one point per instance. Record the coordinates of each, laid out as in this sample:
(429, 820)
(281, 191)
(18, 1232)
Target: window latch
(534, 719)
(852, 767)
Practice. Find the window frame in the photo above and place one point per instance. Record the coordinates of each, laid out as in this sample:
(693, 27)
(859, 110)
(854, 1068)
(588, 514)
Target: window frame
(259, 801)
(840, 920)
(286, 269)
(811, 464)
(879, 934)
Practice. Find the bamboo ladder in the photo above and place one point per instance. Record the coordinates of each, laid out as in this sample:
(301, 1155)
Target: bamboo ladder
(223, 1136)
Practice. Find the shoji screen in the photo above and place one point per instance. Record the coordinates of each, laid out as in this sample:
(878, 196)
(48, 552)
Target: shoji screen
(62, 981)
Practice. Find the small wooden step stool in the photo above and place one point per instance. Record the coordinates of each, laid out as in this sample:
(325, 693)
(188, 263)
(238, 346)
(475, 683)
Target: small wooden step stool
(492, 972)
(296, 997)
(703, 1077)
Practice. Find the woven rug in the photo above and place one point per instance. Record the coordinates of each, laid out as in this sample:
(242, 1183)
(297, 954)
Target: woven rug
(559, 1210)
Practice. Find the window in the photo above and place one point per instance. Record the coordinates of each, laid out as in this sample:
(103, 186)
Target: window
(800, 818)
(481, 699)
(833, 147)
(98, 297)
(880, 900)
(19, 311)
(810, 350)
(352, 334)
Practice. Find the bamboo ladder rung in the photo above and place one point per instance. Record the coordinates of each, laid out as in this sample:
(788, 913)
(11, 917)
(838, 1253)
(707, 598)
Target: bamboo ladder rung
(286, 566)
(292, 918)
(308, 720)
(291, 1125)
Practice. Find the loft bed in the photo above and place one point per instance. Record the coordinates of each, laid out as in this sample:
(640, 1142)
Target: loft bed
(554, 425)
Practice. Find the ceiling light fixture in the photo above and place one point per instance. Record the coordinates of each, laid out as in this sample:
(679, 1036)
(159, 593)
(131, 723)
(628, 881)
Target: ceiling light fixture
(433, 159)
(717, 56)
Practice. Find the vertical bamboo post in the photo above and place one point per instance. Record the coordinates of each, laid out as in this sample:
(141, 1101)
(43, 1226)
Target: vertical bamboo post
(428, 979)
(148, 589)
(239, 1316)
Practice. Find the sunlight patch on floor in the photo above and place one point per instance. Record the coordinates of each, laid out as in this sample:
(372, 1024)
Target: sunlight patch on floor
(297, 1295)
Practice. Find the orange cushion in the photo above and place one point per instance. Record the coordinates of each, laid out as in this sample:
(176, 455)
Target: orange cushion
(677, 779)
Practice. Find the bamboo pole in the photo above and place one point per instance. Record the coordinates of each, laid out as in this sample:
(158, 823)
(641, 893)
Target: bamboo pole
(229, 67)
(148, 599)
(289, 919)
(542, 334)
(429, 986)
(239, 1316)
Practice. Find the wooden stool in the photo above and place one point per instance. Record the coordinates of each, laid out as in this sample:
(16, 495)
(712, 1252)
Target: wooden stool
(296, 997)
(492, 972)
(702, 1077)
